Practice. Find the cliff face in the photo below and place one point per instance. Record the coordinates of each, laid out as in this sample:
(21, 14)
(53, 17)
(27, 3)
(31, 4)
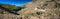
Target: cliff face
(41, 9)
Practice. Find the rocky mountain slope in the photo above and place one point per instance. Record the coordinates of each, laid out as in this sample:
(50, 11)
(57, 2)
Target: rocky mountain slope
(5, 13)
(41, 9)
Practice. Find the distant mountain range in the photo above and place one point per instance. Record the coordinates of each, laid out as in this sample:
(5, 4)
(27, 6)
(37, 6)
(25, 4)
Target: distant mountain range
(13, 8)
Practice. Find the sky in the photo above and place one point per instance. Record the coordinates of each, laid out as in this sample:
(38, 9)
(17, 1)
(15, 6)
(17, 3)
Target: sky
(15, 2)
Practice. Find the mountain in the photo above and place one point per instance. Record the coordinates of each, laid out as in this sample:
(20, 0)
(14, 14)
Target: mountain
(41, 9)
(8, 14)
(11, 8)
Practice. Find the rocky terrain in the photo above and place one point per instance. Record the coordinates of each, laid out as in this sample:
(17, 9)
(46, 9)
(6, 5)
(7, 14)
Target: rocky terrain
(41, 9)
(5, 13)
(37, 9)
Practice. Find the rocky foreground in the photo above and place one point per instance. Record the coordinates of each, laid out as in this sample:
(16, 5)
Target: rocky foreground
(41, 9)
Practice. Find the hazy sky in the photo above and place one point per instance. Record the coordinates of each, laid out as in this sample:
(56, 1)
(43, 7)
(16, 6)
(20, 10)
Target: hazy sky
(15, 2)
